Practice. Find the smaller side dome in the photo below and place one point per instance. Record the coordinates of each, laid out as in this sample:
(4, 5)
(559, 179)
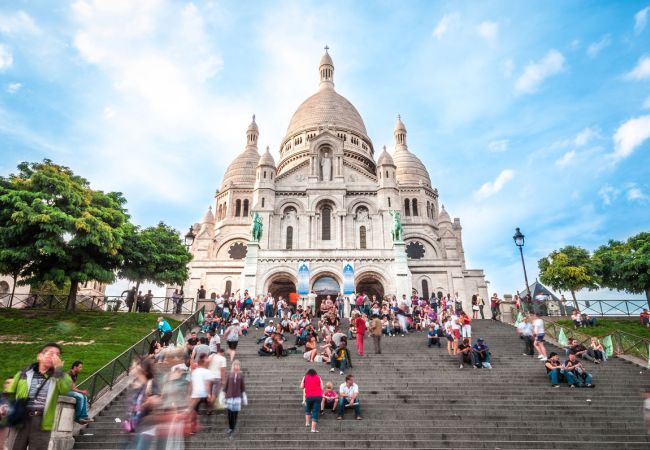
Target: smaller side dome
(208, 217)
(385, 159)
(267, 159)
(444, 217)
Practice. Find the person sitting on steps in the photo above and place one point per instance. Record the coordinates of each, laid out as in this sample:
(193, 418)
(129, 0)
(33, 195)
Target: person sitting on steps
(349, 396)
(581, 377)
(556, 371)
(432, 335)
(465, 353)
(481, 355)
(341, 357)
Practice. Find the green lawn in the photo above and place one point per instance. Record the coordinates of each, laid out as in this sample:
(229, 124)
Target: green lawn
(607, 326)
(92, 337)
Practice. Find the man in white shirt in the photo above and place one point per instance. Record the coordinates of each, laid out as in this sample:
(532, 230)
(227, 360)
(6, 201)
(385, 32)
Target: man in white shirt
(217, 366)
(268, 331)
(525, 332)
(538, 332)
(215, 341)
(349, 394)
(202, 379)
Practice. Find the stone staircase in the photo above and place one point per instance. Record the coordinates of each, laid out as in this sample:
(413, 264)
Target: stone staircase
(416, 397)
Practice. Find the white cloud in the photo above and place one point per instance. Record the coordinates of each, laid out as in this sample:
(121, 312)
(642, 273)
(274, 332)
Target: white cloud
(596, 47)
(640, 20)
(641, 71)
(630, 136)
(6, 58)
(18, 22)
(12, 88)
(447, 21)
(608, 194)
(488, 31)
(492, 187)
(498, 146)
(536, 72)
(585, 136)
(566, 159)
(636, 194)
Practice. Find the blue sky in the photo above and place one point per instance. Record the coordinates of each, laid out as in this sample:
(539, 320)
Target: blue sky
(525, 114)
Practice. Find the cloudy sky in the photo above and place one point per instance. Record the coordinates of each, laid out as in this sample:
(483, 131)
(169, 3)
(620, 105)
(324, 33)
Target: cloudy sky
(525, 115)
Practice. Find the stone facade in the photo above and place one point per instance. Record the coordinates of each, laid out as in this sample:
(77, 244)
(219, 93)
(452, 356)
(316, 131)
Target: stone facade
(327, 203)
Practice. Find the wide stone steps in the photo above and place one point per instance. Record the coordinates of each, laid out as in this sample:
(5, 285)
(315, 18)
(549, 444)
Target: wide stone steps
(417, 397)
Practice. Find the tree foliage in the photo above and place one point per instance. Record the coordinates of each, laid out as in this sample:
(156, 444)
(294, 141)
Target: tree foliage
(155, 255)
(569, 269)
(625, 266)
(55, 228)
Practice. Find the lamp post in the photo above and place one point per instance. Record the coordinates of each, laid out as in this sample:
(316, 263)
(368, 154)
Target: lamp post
(189, 239)
(519, 242)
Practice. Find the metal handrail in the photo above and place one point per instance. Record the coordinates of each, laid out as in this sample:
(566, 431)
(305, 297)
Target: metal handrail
(623, 343)
(93, 303)
(107, 376)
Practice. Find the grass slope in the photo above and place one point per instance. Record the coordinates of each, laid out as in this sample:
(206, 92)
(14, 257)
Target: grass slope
(607, 326)
(105, 334)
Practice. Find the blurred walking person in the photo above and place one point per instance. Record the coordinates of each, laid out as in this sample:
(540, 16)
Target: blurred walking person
(234, 390)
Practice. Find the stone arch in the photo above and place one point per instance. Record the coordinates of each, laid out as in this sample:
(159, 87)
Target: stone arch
(423, 282)
(281, 281)
(354, 205)
(283, 204)
(371, 281)
(225, 246)
(427, 239)
(318, 202)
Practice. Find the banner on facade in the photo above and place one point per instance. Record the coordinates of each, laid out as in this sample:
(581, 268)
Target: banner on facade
(303, 278)
(348, 278)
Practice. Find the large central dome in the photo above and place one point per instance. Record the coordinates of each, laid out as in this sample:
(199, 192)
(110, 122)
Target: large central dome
(326, 107)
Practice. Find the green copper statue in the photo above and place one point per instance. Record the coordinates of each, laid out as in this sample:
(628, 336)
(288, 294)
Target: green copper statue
(256, 226)
(396, 230)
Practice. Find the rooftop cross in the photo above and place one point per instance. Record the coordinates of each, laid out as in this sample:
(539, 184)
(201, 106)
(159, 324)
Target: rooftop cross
(326, 48)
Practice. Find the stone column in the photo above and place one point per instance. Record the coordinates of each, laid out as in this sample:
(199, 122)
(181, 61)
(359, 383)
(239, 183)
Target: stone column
(401, 272)
(62, 431)
(249, 274)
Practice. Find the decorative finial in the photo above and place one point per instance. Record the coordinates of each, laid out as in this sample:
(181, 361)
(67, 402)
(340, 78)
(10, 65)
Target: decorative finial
(398, 116)
(326, 48)
(253, 117)
(267, 149)
(384, 148)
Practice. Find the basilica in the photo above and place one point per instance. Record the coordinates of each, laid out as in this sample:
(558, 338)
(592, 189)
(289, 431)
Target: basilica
(326, 207)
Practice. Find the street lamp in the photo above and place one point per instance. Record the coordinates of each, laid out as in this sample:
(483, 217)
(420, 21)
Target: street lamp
(189, 239)
(519, 242)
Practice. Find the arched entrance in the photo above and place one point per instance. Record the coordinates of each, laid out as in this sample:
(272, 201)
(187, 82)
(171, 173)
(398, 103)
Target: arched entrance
(282, 285)
(323, 286)
(371, 284)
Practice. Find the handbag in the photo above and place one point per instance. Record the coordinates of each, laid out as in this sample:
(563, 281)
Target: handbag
(244, 399)
(18, 410)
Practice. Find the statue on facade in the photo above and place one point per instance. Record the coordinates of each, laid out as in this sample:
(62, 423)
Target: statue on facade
(396, 229)
(256, 226)
(326, 167)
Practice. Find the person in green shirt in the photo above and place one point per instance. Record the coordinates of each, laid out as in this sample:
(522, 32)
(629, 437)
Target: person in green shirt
(41, 384)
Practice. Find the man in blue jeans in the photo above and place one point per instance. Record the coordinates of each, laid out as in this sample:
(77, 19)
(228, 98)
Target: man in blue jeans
(581, 377)
(349, 395)
(81, 408)
(557, 372)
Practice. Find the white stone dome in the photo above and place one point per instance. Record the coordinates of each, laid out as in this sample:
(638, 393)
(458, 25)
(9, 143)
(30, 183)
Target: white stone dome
(410, 169)
(385, 159)
(326, 107)
(443, 217)
(242, 170)
(266, 159)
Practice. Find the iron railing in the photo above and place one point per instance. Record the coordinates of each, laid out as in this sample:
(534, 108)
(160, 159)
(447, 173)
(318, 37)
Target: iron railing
(106, 377)
(622, 343)
(602, 308)
(95, 303)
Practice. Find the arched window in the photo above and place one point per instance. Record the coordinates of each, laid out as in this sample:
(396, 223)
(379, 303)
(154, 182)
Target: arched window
(238, 208)
(387, 174)
(225, 210)
(326, 218)
(265, 174)
(428, 209)
(415, 207)
(407, 207)
(228, 289)
(245, 208)
(389, 202)
(262, 202)
(362, 237)
(425, 289)
(219, 211)
(289, 238)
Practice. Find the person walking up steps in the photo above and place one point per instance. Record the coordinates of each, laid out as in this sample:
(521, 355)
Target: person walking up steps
(232, 337)
(360, 324)
(538, 333)
(375, 332)
(312, 386)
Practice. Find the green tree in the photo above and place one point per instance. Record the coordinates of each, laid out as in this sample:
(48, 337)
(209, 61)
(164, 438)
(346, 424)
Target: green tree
(155, 255)
(569, 269)
(625, 266)
(63, 230)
